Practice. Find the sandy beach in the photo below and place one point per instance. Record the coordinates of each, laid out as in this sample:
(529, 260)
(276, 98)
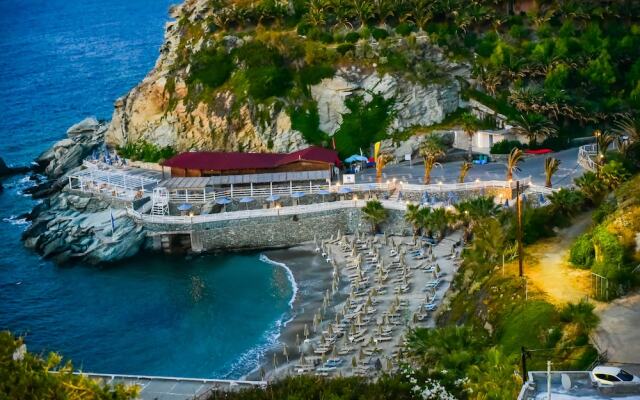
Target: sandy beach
(357, 298)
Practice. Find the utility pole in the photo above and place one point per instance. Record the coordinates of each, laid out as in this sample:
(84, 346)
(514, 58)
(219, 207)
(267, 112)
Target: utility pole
(523, 360)
(548, 380)
(519, 238)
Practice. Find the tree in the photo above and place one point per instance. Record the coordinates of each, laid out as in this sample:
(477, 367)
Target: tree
(381, 162)
(566, 203)
(600, 72)
(613, 174)
(464, 170)
(489, 239)
(493, 377)
(28, 376)
(591, 187)
(533, 126)
(470, 126)
(514, 159)
(603, 140)
(383, 9)
(411, 215)
(362, 10)
(431, 149)
(438, 221)
(375, 213)
(551, 165)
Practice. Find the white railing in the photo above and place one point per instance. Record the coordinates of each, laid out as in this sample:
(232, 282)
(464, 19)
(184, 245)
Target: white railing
(269, 212)
(461, 187)
(585, 157)
(202, 196)
(169, 379)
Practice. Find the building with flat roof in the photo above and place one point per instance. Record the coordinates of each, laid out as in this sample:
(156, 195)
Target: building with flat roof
(203, 164)
(574, 385)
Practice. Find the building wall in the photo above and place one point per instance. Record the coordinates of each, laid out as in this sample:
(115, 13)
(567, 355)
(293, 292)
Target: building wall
(298, 166)
(275, 231)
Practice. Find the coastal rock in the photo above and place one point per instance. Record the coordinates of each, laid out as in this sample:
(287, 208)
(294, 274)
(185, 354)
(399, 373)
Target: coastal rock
(68, 153)
(76, 228)
(6, 170)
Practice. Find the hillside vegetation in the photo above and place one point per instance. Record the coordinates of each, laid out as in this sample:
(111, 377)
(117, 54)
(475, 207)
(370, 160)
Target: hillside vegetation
(573, 64)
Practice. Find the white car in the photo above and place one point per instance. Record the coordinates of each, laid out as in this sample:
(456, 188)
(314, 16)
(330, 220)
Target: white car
(609, 376)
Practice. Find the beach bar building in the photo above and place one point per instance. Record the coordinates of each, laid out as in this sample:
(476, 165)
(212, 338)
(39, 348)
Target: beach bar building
(201, 177)
(202, 164)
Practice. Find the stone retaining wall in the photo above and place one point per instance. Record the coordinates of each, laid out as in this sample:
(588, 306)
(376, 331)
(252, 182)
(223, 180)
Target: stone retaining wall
(276, 231)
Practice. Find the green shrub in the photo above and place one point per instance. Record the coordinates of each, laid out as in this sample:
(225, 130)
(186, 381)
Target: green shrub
(582, 252)
(211, 66)
(365, 123)
(608, 248)
(266, 72)
(603, 211)
(405, 28)
(307, 121)
(352, 37)
(580, 313)
(505, 146)
(145, 151)
(345, 48)
(313, 74)
(379, 33)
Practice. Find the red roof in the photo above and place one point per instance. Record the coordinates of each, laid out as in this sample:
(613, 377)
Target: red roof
(219, 161)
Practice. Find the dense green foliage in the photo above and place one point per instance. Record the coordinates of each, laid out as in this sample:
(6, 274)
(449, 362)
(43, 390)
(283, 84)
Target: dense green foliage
(365, 123)
(505, 146)
(145, 151)
(24, 375)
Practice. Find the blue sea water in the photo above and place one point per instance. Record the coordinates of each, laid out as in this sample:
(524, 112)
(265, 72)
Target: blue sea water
(205, 316)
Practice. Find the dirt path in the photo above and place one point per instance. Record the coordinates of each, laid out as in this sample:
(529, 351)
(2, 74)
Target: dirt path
(548, 269)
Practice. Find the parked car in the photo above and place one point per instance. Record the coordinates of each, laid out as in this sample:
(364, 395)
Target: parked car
(606, 375)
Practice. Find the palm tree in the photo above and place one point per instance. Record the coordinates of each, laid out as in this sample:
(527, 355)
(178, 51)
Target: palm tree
(381, 162)
(375, 213)
(316, 15)
(629, 127)
(603, 141)
(411, 215)
(421, 12)
(551, 165)
(423, 219)
(478, 208)
(613, 174)
(566, 203)
(439, 219)
(493, 377)
(533, 126)
(515, 158)
(431, 149)
(591, 187)
(362, 10)
(470, 126)
(383, 9)
(464, 170)
(489, 239)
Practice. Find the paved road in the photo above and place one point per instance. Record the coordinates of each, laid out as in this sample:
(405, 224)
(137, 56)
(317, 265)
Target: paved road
(619, 331)
(448, 173)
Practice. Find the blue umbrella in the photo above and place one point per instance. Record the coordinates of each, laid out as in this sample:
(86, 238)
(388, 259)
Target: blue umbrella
(344, 190)
(246, 200)
(541, 199)
(223, 201)
(372, 186)
(524, 197)
(185, 207)
(506, 203)
(273, 197)
(297, 195)
(323, 192)
(355, 158)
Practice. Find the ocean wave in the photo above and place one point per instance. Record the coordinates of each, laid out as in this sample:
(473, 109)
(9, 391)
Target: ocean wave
(14, 220)
(271, 336)
(292, 279)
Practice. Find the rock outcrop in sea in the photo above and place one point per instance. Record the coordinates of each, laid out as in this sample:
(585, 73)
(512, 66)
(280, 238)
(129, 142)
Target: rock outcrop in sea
(67, 227)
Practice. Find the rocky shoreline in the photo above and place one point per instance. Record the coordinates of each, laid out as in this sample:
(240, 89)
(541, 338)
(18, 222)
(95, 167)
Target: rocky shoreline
(66, 227)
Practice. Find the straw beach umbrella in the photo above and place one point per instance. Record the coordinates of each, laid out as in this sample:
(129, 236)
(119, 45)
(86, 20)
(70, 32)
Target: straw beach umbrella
(306, 331)
(285, 353)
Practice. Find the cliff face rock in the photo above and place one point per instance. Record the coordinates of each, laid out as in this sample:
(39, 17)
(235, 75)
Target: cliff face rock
(415, 104)
(68, 228)
(161, 109)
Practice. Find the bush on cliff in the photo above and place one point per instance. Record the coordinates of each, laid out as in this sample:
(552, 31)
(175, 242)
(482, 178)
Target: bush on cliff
(24, 375)
(145, 151)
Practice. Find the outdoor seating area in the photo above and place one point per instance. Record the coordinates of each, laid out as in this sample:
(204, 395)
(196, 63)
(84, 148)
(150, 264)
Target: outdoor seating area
(123, 184)
(391, 285)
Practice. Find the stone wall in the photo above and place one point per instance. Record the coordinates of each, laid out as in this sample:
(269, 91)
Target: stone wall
(277, 231)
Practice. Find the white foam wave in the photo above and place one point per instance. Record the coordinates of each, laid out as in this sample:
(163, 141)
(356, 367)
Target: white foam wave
(292, 279)
(13, 220)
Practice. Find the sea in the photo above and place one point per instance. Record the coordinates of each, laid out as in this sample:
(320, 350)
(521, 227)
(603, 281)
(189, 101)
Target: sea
(209, 316)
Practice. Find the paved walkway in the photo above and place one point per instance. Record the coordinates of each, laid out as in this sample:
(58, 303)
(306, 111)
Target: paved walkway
(619, 331)
(449, 172)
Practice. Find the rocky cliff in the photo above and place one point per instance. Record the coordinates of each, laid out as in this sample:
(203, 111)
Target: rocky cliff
(170, 108)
